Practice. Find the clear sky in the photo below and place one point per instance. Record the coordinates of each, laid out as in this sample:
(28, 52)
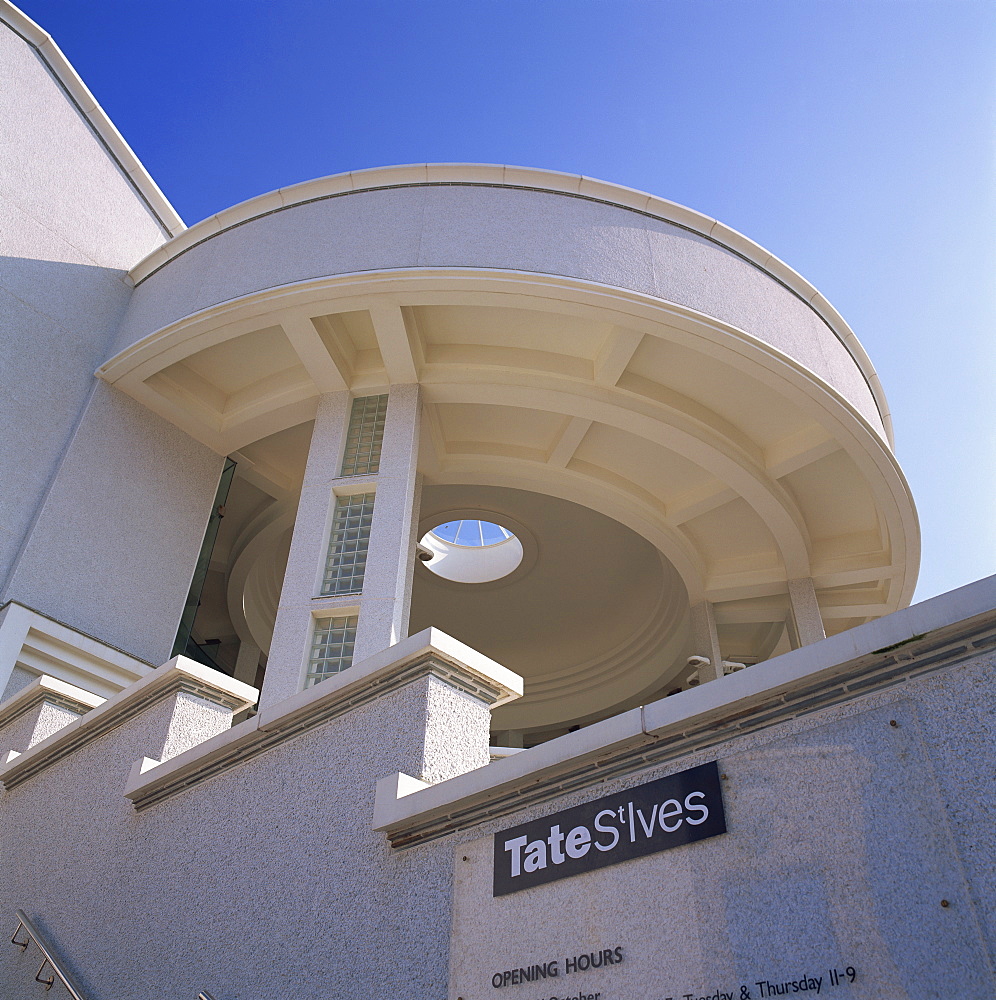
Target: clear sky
(855, 140)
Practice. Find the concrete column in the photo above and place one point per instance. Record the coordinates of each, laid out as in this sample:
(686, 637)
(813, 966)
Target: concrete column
(294, 622)
(383, 605)
(387, 585)
(706, 640)
(247, 662)
(806, 619)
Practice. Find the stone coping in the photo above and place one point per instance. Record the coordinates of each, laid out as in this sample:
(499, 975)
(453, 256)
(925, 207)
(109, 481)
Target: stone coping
(79, 636)
(45, 688)
(529, 178)
(842, 668)
(80, 95)
(427, 652)
(90, 644)
(178, 674)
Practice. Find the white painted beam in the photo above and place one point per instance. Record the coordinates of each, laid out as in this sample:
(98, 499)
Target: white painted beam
(615, 355)
(309, 347)
(706, 640)
(752, 612)
(746, 584)
(869, 609)
(799, 450)
(434, 441)
(263, 476)
(702, 501)
(570, 438)
(394, 341)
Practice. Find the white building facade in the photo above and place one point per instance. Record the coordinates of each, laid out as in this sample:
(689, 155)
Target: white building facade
(458, 581)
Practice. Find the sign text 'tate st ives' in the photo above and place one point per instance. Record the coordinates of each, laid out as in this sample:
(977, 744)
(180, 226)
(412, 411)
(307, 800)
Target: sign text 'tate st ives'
(657, 816)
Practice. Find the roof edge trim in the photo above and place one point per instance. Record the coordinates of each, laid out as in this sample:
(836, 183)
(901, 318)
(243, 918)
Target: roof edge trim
(78, 92)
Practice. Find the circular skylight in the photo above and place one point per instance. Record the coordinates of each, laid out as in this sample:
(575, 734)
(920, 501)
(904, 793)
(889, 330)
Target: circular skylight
(471, 551)
(475, 533)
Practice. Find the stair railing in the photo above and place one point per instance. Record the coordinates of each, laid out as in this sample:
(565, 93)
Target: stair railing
(49, 959)
(33, 934)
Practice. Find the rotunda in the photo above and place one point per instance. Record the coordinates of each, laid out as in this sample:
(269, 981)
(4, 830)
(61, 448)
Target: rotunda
(677, 456)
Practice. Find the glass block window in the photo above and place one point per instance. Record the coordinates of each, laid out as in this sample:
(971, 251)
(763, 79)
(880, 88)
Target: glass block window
(347, 556)
(365, 436)
(331, 648)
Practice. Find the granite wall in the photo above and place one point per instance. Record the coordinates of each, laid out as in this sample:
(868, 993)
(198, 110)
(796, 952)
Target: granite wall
(859, 837)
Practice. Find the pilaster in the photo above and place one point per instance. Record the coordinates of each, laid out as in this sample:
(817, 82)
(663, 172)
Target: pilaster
(387, 586)
(247, 662)
(380, 605)
(293, 625)
(806, 617)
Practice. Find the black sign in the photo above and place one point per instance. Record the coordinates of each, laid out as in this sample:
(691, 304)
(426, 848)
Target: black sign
(676, 810)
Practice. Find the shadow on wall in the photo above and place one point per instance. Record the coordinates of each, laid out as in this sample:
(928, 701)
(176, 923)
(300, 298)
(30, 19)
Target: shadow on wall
(103, 502)
(56, 321)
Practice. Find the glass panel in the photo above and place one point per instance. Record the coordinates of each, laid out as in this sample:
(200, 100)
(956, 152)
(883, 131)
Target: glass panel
(331, 648)
(468, 533)
(474, 533)
(347, 555)
(447, 532)
(493, 533)
(365, 436)
(184, 642)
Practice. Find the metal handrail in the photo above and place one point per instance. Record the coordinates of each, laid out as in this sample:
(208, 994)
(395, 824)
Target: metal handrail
(66, 979)
(33, 935)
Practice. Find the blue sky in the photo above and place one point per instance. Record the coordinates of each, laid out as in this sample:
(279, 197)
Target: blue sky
(854, 140)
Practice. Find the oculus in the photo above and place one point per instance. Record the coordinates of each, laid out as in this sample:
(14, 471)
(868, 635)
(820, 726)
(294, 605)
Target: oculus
(470, 551)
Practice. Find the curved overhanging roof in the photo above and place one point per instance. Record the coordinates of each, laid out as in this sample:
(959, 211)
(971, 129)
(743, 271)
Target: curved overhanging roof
(741, 464)
(528, 178)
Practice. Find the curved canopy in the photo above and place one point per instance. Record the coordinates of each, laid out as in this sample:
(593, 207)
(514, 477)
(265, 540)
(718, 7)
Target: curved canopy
(747, 456)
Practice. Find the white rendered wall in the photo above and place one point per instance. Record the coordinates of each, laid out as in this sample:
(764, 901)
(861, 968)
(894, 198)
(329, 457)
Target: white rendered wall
(102, 504)
(114, 546)
(279, 860)
(71, 225)
(847, 827)
(499, 228)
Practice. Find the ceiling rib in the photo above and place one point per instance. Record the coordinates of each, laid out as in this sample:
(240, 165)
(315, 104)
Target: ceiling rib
(309, 347)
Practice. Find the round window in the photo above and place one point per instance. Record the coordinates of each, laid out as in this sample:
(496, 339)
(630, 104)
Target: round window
(471, 551)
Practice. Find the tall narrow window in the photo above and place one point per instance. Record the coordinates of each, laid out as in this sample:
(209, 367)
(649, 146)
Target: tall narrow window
(331, 648)
(365, 436)
(347, 555)
(185, 642)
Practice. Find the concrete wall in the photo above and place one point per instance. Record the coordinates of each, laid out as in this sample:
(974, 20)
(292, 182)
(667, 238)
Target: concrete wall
(71, 225)
(114, 546)
(858, 834)
(264, 881)
(492, 227)
(102, 505)
(845, 831)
